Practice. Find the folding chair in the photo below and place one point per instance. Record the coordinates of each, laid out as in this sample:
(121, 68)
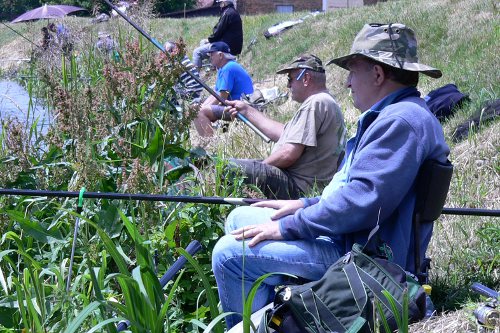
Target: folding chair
(432, 184)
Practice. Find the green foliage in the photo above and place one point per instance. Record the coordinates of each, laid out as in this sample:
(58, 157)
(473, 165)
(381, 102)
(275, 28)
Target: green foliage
(479, 262)
(167, 6)
(9, 9)
(114, 132)
(401, 318)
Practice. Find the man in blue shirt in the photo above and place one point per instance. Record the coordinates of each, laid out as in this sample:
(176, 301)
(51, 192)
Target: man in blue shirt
(396, 133)
(232, 82)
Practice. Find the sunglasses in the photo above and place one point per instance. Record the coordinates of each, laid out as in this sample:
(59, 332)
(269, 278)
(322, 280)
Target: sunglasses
(299, 77)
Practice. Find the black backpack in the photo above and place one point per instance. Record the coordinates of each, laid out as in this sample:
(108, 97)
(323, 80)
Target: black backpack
(343, 299)
(443, 101)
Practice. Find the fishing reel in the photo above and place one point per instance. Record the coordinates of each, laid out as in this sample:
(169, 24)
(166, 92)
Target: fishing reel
(488, 313)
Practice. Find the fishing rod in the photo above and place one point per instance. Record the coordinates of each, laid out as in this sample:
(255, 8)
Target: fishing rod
(196, 78)
(128, 196)
(21, 35)
(199, 199)
(471, 211)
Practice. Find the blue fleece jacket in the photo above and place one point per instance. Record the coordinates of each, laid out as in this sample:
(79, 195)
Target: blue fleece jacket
(377, 180)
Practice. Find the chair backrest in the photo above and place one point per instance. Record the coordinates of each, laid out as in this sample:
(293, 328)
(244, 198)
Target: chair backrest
(433, 182)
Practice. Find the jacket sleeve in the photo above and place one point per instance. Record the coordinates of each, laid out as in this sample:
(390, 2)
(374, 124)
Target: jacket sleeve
(220, 28)
(381, 174)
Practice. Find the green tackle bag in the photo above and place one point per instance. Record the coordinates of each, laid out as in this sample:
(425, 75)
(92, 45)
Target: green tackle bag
(343, 299)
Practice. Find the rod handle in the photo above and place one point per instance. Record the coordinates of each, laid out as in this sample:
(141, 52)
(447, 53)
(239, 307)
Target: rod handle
(483, 290)
(192, 248)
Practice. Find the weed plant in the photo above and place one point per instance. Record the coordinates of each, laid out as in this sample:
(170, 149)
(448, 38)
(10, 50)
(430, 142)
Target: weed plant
(112, 131)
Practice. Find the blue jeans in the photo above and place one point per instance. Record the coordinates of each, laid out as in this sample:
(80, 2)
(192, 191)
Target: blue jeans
(236, 266)
(200, 53)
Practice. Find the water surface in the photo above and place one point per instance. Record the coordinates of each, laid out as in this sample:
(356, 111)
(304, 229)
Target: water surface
(15, 103)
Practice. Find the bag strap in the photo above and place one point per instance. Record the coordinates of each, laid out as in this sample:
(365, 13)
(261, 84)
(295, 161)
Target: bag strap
(377, 289)
(356, 284)
(323, 314)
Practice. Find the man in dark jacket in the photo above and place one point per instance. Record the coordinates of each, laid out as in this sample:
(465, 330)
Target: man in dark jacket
(229, 30)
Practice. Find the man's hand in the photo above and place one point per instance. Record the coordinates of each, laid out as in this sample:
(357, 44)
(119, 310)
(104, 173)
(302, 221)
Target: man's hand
(236, 107)
(283, 207)
(273, 129)
(259, 232)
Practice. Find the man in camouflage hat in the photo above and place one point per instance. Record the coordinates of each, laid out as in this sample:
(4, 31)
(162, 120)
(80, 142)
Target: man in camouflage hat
(308, 146)
(396, 133)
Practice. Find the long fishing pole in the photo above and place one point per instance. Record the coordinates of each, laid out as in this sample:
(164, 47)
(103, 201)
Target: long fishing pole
(21, 35)
(128, 196)
(196, 78)
(200, 199)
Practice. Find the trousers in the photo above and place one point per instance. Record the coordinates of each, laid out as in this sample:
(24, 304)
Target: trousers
(274, 182)
(236, 266)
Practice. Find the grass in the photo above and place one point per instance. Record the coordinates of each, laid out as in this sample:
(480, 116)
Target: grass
(460, 37)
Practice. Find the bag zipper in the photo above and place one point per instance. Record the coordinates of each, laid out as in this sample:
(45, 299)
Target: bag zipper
(347, 258)
(288, 294)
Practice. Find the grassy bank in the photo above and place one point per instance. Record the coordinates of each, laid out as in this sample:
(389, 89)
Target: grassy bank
(460, 37)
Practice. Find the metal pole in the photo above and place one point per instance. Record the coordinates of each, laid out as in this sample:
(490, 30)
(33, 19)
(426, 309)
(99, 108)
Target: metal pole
(200, 199)
(197, 79)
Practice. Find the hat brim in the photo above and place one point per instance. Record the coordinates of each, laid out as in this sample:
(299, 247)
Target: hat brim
(285, 70)
(409, 66)
(228, 56)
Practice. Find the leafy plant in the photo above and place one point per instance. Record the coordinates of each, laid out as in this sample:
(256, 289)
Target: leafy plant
(401, 318)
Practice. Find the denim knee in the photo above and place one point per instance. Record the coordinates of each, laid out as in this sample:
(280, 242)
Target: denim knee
(247, 215)
(226, 248)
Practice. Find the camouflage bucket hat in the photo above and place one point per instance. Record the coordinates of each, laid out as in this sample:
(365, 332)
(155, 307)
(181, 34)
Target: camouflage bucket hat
(393, 44)
(307, 61)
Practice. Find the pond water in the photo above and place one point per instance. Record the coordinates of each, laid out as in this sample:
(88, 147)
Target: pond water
(14, 103)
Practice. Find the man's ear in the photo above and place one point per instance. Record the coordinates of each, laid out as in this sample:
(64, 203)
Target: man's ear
(307, 79)
(379, 74)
